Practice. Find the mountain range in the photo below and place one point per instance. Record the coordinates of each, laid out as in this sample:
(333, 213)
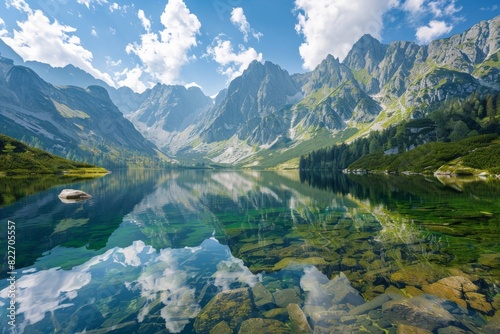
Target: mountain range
(266, 116)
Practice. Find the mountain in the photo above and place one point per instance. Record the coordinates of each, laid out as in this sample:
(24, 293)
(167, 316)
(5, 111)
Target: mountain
(165, 110)
(267, 117)
(124, 98)
(74, 122)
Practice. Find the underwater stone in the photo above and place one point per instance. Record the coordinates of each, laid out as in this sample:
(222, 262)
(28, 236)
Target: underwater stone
(263, 326)
(342, 291)
(422, 311)
(277, 313)
(407, 329)
(221, 328)
(261, 297)
(451, 330)
(413, 291)
(417, 275)
(231, 306)
(286, 296)
(370, 305)
(478, 302)
(298, 319)
(490, 260)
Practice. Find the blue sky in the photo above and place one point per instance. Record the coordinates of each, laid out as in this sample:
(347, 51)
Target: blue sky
(210, 42)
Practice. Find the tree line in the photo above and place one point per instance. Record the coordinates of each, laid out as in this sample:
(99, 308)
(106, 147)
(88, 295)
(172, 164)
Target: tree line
(448, 122)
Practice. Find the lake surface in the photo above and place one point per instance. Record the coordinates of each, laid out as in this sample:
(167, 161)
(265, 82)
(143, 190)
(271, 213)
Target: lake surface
(226, 252)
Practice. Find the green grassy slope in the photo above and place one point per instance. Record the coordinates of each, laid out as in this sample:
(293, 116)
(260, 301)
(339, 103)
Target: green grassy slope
(465, 157)
(18, 158)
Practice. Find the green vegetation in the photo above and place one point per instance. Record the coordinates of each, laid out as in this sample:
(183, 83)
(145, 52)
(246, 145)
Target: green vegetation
(17, 158)
(465, 157)
(448, 135)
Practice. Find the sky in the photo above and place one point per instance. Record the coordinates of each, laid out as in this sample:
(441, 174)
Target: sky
(207, 43)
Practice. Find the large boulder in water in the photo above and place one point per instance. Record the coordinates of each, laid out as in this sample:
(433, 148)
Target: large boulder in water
(72, 196)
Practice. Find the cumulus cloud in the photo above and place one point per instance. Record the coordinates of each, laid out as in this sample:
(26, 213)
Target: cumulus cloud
(53, 43)
(239, 19)
(435, 29)
(132, 79)
(332, 27)
(232, 63)
(163, 53)
(93, 32)
(414, 6)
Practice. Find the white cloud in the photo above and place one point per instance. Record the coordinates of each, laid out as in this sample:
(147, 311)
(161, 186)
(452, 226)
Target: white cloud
(131, 78)
(192, 84)
(87, 3)
(414, 6)
(163, 53)
(53, 43)
(93, 32)
(442, 8)
(332, 27)
(232, 63)
(146, 23)
(114, 7)
(435, 29)
(3, 31)
(239, 19)
(20, 5)
(112, 63)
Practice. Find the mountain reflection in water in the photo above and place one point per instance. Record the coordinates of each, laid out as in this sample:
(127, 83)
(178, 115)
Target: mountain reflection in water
(193, 250)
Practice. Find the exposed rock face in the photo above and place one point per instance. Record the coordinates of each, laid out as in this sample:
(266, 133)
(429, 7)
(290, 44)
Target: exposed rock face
(261, 90)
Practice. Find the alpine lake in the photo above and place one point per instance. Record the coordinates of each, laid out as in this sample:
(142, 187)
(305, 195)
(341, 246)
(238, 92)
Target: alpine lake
(220, 251)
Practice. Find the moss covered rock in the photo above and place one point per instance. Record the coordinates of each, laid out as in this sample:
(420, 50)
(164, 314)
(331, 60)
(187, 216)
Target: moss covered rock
(231, 306)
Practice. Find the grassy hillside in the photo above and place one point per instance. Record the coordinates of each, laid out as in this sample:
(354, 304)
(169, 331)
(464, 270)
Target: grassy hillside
(465, 157)
(18, 158)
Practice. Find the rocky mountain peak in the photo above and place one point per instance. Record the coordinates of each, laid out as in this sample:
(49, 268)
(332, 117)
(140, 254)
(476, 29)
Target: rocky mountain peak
(366, 53)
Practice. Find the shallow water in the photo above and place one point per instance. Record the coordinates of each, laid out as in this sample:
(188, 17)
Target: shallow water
(151, 249)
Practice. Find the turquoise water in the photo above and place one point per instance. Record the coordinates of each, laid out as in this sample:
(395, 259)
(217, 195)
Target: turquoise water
(151, 250)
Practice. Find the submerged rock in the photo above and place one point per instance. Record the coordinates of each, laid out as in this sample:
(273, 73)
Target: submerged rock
(371, 305)
(221, 328)
(298, 319)
(231, 306)
(261, 296)
(342, 291)
(462, 291)
(72, 196)
(421, 311)
(263, 326)
(286, 296)
(407, 329)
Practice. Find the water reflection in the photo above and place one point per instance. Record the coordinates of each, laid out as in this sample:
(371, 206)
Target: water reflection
(167, 250)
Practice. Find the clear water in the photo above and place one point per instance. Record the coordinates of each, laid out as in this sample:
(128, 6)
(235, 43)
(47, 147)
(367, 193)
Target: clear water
(151, 249)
